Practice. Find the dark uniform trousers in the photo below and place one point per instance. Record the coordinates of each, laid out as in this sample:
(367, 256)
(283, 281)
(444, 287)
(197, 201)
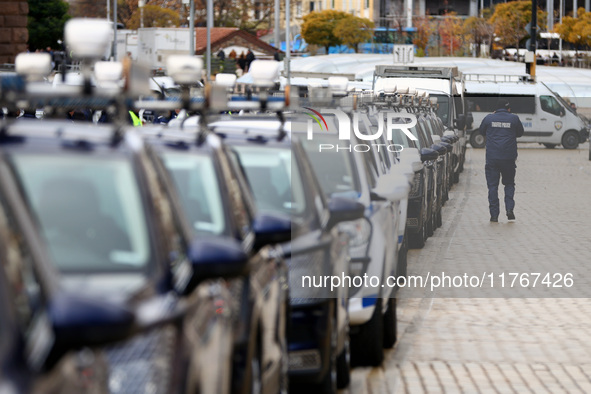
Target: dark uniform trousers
(496, 170)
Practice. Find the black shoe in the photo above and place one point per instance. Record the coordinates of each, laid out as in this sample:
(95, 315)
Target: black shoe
(510, 215)
(494, 219)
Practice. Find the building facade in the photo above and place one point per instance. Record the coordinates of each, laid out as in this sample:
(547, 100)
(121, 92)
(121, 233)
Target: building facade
(13, 29)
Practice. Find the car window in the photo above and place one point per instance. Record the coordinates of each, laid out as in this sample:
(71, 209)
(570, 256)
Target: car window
(199, 191)
(551, 105)
(18, 268)
(335, 170)
(276, 183)
(25, 290)
(239, 210)
(89, 210)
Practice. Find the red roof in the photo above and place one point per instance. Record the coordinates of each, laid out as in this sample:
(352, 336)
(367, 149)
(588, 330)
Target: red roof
(221, 34)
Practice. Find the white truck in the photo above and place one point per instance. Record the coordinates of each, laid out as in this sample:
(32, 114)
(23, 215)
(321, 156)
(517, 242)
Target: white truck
(155, 44)
(546, 117)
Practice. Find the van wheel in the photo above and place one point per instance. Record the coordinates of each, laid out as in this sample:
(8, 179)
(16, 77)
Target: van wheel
(570, 140)
(477, 140)
(550, 146)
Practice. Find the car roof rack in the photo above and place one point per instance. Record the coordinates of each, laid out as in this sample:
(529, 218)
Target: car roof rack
(389, 71)
(87, 40)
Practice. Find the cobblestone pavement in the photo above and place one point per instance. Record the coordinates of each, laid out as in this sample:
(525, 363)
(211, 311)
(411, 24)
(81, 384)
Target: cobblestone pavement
(500, 345)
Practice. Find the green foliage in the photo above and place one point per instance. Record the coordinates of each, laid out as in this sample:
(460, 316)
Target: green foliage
(46, 23)
(318, 27)
(354, 30)
(154, 16)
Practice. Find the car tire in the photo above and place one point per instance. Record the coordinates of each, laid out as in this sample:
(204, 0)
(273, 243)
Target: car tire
(403, 257)
(570, 140)
(329, 381)
(256, 376)
(344, 363)
(550, 146)
(417, 240)
(477, 140)
(390, 324)
(367, 344)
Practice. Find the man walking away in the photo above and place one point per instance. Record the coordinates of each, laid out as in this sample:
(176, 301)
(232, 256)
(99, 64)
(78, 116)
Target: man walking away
(501, 130)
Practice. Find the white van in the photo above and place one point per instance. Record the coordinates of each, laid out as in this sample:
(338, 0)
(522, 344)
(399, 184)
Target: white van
(546, 117)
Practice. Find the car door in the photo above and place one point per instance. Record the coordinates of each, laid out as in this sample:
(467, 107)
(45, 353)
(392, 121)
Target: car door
(551, 116)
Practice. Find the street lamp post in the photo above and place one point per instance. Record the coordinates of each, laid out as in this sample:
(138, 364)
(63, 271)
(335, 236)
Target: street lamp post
(114, 30)
(141, 4)
(209, 27)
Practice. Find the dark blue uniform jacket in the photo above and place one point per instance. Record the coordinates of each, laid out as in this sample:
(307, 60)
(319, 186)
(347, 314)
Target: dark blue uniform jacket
(501, 130)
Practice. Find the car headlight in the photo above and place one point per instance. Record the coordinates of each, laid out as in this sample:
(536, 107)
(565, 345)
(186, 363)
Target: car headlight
(359, 232)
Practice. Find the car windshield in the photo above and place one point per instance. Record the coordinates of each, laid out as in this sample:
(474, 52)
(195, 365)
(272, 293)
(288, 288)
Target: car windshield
(89, 210)
(276, 184)
(199, 191)
(443, 108)
(335, 169)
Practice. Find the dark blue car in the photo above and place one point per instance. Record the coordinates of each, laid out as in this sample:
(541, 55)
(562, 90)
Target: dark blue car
(38, 353)
(217, 202)
(107, 209)
(283, 182)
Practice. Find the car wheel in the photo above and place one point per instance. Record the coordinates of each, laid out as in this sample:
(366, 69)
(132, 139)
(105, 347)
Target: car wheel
(477, 140)
(344, 363)
(570, 140)
(550, 146)
(367, 344)
(329, 381)
(417, 240)
(255, 372)
(402, 257)
(390, 324)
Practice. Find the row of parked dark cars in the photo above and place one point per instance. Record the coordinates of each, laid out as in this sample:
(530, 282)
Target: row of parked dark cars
(173, 258)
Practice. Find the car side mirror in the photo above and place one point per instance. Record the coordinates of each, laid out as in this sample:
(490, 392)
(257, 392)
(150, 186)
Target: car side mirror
(215, 257)
(428, 154)
(81, 321)
(344, 210)
(271, 228)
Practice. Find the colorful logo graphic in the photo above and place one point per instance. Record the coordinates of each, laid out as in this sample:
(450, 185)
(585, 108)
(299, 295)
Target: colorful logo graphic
(316, 118)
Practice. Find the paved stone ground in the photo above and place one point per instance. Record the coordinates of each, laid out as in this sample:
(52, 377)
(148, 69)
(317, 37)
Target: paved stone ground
(507, 343)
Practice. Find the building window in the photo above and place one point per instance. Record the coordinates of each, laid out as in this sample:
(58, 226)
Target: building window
(311, 6)
(299, 9)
